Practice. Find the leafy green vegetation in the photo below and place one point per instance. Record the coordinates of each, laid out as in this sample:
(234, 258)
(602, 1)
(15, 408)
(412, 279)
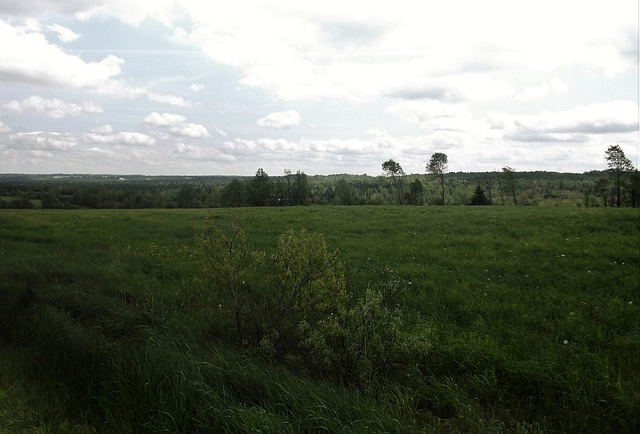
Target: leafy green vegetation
(509, 319)
(591, 189)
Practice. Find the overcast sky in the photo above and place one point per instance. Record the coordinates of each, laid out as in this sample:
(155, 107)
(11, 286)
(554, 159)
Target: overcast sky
(203, 88)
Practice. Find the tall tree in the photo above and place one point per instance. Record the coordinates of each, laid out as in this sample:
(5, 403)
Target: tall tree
(394, 170)
(301, 194)
(618, 164)
(437, 166)
(287, 174)
(233, 194)
(260, 189)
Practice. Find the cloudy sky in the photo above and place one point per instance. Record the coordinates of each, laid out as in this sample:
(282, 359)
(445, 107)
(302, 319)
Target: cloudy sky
(197, 88)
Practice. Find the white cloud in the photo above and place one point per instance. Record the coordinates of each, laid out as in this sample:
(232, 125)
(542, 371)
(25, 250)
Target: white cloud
(33, 7)
(100, 152)
(571, 125)
(384, 81)
(27, 57)
(318, 61)
(221, 132)
(133, 13)
(53, 108)
(192, 130)
(134, 138)
(259, 38)
(106, 136)
(39, 140)
(177, 124)
(164, 119)
(540, 91)
(173, 100)
(280, 120)
(339, 48)
(63, 33)
(376, 132)
(102, 130)
(181, 148)
(433, 114)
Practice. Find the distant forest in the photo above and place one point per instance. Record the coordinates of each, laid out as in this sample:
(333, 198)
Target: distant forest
(507, 187)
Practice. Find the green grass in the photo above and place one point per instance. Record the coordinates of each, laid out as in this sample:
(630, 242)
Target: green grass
(531, 313)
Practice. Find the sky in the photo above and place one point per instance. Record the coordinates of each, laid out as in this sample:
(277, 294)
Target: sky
(180, 87)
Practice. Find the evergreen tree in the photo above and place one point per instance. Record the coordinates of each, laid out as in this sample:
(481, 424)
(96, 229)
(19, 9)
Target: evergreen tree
(479, 197)
(415, 192)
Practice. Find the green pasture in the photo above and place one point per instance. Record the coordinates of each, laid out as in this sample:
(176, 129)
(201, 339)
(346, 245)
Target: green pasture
(531, 317)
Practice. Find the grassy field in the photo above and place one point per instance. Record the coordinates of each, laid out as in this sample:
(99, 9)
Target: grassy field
(530, 317)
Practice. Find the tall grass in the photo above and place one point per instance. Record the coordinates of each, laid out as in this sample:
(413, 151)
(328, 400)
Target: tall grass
(531, 316)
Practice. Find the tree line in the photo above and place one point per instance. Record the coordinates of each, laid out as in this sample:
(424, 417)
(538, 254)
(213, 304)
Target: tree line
(616, 186)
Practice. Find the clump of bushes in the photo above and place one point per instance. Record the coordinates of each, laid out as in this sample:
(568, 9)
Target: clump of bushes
(293, 306)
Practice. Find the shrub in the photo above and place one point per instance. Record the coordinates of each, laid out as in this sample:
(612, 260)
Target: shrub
(293, 306)
(268, 295)
(371, 341)
(303, 282)
(224, 258)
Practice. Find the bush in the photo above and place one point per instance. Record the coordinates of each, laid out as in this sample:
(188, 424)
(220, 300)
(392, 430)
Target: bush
(293, 306)
(371, 342)
(303, 283)
(267, 296)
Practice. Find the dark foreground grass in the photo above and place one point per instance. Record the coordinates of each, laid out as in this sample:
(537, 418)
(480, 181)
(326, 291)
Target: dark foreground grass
(531, 315)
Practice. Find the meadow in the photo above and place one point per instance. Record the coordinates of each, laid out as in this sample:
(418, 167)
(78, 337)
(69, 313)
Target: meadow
(528, 316)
